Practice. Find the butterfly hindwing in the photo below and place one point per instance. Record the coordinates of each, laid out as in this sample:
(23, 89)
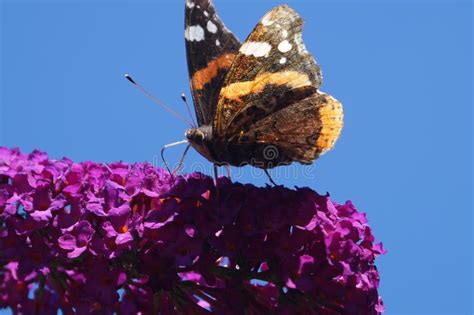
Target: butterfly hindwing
(299, 132)
(272, 70)
(210, 49)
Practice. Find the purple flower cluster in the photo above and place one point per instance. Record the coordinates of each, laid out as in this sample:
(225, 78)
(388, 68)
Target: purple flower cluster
(117, 238)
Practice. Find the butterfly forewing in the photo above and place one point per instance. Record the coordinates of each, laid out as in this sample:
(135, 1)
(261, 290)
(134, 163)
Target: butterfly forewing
(210, 49)
(272, 70)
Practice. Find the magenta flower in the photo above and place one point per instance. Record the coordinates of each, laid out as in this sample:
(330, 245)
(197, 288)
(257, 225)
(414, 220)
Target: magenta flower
(76, 238)
(117, 238)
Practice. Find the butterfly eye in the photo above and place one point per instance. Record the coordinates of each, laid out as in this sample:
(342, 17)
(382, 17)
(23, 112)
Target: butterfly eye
(199, 137)
(195, 136)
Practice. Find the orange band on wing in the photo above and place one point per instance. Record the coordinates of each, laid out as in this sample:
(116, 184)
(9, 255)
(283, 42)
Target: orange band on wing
(331, 119)
(292, 79)
(205, 75)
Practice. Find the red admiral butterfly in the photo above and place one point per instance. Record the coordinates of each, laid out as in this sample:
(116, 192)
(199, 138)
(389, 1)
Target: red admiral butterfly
(259, 102)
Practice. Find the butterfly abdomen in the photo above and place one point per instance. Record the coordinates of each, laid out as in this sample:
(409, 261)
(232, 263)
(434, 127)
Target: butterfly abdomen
(261, 155)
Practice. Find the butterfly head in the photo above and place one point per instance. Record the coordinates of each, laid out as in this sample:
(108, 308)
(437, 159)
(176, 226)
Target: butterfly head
(196, 135)
(200, 138)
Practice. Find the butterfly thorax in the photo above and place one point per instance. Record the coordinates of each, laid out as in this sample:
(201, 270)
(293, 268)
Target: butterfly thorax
(225, 152)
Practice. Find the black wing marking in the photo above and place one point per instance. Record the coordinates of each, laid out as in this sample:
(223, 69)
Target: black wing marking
(210, 49)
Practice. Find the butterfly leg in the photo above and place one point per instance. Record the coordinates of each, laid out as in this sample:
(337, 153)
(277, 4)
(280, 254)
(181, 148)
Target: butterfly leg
(269, 177)
(216, 175)
(227, 168)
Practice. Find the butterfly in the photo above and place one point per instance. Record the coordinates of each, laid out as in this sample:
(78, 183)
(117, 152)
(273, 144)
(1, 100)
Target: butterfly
(259, 102)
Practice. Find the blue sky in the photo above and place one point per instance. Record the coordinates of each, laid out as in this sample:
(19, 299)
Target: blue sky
(402, 69)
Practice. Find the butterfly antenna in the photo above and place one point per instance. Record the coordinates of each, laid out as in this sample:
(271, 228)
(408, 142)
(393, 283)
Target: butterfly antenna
(185, 100)
(156, 100)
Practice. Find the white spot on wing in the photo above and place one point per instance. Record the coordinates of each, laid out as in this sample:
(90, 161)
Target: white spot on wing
(266, 20)
(218, 43)
(211, 27)
(284, 33)
(205, 13)
(284, 46)
(190, 4)
(256, 49)
(262, 50)
(283, 60)
(194, 33)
